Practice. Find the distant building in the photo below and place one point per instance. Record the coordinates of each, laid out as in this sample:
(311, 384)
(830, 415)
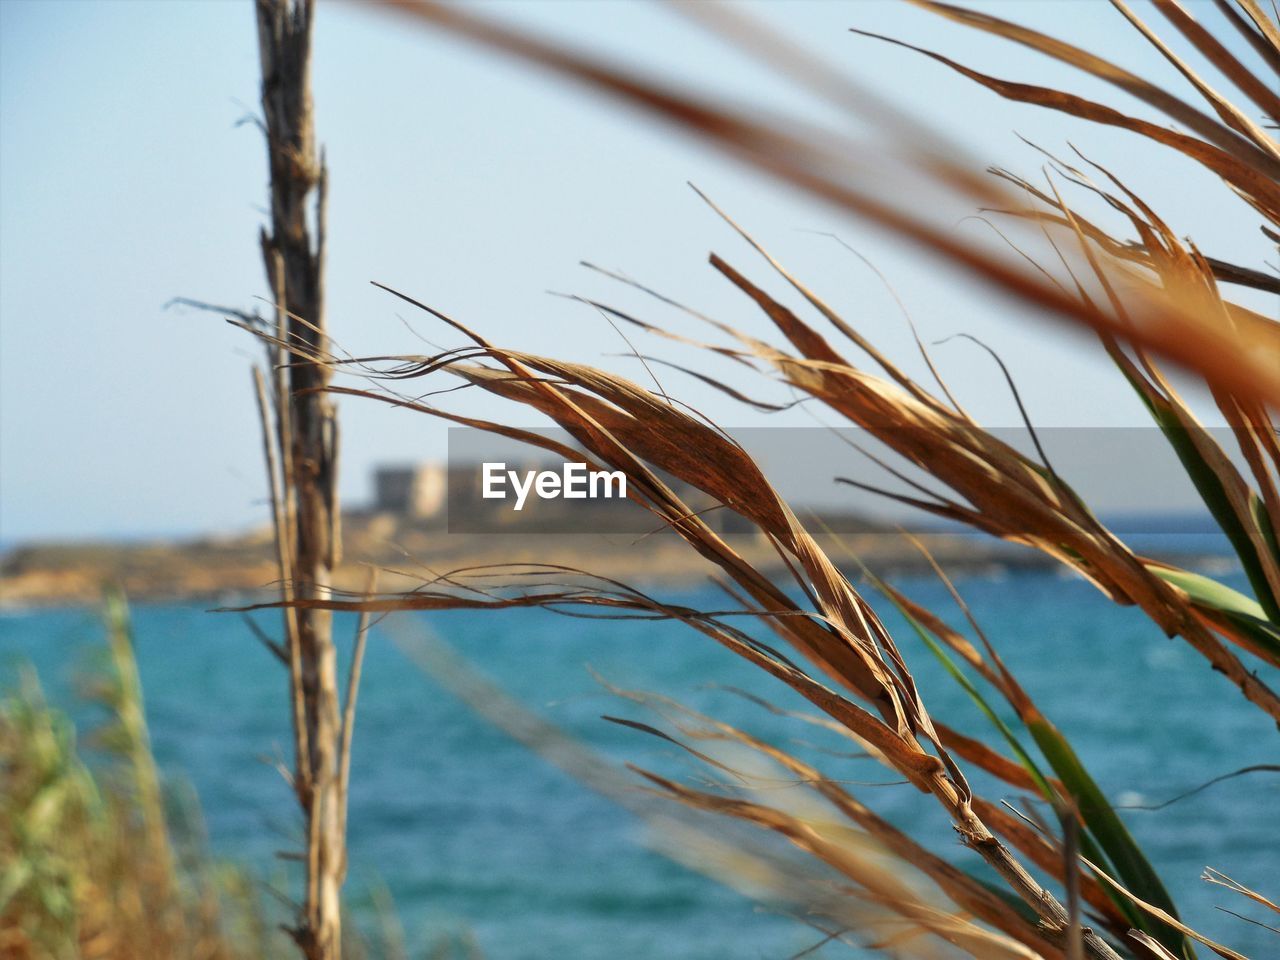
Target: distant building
(417, 490)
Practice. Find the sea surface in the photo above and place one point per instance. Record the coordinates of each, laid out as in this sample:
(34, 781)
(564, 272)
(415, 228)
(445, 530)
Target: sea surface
(471, 835)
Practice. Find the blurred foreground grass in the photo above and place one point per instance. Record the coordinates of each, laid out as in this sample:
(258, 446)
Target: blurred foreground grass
(98, 861)
(102, 860)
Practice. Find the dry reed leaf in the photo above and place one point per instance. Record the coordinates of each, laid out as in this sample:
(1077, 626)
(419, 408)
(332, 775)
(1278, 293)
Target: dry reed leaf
(1236, 356)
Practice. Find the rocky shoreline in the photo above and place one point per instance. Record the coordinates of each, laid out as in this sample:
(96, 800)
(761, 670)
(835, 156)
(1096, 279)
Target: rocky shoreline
(243, 568)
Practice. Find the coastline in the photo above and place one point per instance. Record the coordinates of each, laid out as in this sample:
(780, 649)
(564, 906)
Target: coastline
(242, 569)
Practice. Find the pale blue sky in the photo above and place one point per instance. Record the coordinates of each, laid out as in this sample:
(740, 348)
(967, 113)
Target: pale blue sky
(472, 183)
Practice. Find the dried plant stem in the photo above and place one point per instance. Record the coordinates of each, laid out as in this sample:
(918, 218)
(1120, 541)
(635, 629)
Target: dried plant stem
(282, 525)
(349, 707)
(1055, 920)
(304, 503)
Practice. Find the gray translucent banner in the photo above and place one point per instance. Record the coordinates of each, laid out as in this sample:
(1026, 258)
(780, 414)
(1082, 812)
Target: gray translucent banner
(1130, 477)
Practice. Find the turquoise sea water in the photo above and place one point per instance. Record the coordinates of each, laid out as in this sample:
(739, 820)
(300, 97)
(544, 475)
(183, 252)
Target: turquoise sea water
(469, 832)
